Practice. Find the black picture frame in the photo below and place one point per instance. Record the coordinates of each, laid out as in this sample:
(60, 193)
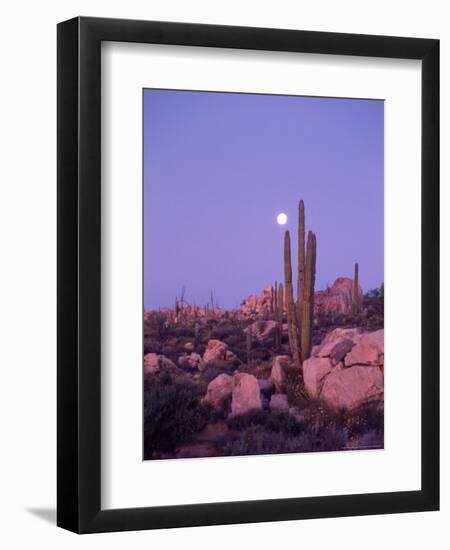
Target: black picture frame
(79, 276)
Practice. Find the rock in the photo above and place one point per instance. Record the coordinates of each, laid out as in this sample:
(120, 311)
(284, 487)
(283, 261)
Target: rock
(337, 300)
(279, 402)
(277, 373)
(266, 386)
(335, 336)
(315, 369)
(189, 346)
(348, 388)
(215, 351)
(257, 304)
(191, 362)
(246, 395)
(368, 350)
(262, 330)
(219, 390)
(154, 362)
(230, 356)
(151, 364)
(340, 350)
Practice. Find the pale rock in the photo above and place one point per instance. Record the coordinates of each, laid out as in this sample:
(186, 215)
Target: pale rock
(277, 375)
(367, 351)
(279, 402)
(219, 390)
(340, 350)
(246, 395)
(151, 363)
(154, 362)
(335, 336)
(215, 351)
(315, 369)
(348, 388)
(337, 300)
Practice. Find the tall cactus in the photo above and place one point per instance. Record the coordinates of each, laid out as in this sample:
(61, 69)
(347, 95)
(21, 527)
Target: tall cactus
(308, 296)
(300, 315)
(290, 305)
(301, 261)
(356, 298)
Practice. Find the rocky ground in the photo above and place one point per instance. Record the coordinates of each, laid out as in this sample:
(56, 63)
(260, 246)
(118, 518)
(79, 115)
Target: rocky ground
(221, 383)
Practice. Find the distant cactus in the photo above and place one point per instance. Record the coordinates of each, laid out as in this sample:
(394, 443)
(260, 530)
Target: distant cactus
(356, 297)
(280, 313)
(290, 305)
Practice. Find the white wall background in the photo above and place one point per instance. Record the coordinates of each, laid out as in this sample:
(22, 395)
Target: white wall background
(28, 269)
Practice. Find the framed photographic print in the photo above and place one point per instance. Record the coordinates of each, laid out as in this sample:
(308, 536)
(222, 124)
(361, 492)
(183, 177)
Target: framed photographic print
(248, 288)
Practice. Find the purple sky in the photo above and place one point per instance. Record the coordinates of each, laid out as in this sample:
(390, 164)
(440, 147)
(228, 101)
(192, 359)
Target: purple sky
(219, 167)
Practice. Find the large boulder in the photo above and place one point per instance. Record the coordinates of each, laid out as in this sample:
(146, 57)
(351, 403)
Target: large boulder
(277, 375)
(215, 351)
(337, 300)
(346, 369)
(246, 394)
(367, 351)
(335, 337)
(348, 388)
(219, 390)
(315, 369)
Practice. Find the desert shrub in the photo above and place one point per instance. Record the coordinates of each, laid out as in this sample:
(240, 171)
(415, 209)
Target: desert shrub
(256, 417)
(261, 354)
(284, 423)
(370, 440)
(233, 340)
(368, 417)
(226, 330)
(214, 368)
(262, 370)
(294, 388)
(256, 441)
(280, 422)
(173, 412)
(184, 331)
(151, 345)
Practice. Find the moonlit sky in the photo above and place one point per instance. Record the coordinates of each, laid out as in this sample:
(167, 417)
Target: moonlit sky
(220, 167)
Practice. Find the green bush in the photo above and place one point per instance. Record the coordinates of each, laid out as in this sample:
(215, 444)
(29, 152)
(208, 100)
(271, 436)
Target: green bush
(173, 412)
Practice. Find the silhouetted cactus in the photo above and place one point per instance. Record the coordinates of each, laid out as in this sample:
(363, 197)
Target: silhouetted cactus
(290, 305)
(301, 261)
(308, 296)
(300, 315)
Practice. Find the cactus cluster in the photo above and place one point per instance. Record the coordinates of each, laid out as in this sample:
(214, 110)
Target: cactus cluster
(300, 313)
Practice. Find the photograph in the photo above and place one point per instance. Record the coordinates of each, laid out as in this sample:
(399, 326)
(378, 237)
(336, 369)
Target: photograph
(263, 274)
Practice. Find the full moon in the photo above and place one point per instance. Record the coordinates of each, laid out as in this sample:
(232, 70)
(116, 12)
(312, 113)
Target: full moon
(282, 218)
